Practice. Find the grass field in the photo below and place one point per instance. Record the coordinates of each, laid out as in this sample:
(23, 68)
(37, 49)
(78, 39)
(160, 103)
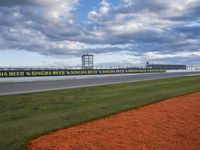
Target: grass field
(23, 117)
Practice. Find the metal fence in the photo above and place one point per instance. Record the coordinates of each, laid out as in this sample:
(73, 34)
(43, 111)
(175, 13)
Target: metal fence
(7, 68)
(193, 67)
(10, 68)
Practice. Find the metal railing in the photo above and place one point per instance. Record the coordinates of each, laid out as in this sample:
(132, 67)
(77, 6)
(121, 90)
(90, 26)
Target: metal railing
(7, 68)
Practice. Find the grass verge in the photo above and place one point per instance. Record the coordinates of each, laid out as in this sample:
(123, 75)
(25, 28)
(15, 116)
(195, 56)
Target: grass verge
(25, 116)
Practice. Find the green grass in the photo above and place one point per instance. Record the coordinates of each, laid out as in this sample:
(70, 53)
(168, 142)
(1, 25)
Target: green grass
(25, 116)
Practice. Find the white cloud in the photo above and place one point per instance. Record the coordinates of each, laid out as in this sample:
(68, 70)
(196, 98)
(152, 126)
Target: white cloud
(58, 11)
(103, 11)
(158, 55)
(105, 8)
(120, 58)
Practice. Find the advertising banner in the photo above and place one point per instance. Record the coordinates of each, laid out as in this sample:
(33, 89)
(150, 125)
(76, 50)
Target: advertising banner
(70, 72)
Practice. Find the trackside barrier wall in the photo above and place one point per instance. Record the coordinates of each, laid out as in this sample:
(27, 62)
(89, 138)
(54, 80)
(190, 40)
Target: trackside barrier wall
(70, 72)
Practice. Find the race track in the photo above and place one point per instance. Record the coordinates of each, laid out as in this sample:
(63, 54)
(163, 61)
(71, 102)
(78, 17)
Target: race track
(22, 86)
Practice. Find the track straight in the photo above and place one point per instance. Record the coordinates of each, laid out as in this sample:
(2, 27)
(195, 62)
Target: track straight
(13, 88)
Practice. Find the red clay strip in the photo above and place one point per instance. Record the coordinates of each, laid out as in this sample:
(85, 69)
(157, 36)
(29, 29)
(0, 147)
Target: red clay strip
(173, 124)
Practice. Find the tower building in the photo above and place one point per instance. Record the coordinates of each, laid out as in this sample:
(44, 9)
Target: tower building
(87, 61)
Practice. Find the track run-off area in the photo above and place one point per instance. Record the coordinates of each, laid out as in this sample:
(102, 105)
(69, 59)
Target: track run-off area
(12, 86)
(160, 126)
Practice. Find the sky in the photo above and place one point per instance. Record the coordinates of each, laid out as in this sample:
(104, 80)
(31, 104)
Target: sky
(116, 32)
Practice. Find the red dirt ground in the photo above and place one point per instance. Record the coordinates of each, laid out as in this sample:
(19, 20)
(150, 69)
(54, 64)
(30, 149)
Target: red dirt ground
(173, 124)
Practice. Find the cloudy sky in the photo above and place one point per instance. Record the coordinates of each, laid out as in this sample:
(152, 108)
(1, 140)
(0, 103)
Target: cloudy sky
(117, 32)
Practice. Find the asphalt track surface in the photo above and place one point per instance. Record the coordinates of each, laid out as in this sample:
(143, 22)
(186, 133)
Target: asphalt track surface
(13, 88)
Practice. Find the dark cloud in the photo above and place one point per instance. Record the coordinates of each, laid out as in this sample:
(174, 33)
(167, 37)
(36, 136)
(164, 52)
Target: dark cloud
(16, 2)
(192, 14)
